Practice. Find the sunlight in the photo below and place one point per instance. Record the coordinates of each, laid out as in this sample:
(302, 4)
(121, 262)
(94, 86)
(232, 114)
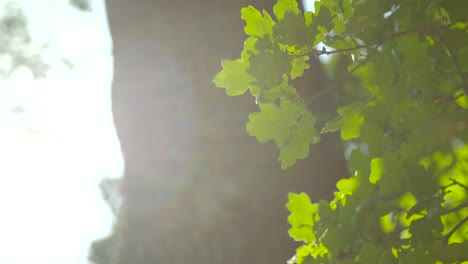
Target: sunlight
(57, 135)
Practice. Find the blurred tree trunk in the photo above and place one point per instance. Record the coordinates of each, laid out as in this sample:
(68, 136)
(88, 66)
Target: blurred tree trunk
(197, 188)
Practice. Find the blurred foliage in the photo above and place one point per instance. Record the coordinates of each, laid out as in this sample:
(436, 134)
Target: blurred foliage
(16, 47)
(404, 67)
(83, 5)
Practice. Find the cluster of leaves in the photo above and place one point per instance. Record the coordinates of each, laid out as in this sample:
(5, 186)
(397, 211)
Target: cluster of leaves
(405, 128)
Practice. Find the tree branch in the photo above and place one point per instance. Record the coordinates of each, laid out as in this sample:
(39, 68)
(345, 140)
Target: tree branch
(454, 229)
(456, 209)
(375, 44)
(308, 100)
(454, 59)
(455, 182)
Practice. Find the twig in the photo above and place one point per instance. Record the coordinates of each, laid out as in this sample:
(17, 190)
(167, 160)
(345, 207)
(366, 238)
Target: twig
(337, 81)
(377, 43)
(352, 39)
(454, 229)
(454, 59)
(455, 209)
(455, 182)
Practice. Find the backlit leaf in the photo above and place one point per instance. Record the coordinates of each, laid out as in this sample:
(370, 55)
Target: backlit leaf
(257, 25)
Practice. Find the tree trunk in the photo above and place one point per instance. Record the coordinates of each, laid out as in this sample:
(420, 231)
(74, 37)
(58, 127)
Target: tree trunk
(198, 189)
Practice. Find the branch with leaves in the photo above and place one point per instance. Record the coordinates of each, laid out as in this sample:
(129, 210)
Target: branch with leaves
(405, 130)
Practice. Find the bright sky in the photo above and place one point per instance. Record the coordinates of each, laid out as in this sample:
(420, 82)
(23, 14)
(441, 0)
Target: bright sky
(57, 138)
(309, 5)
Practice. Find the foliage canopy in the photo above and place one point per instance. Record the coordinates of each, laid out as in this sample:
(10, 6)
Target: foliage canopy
(404, 120)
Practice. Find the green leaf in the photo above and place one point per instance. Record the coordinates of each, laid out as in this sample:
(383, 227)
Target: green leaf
(291, 126)
(388, 222)
(370, 253)
(348, 185)
(349, 123)
(257, 25)
(297, 147)
(283, 90)
(299, 64)
(372, 78)
(301, 217)
(283, 6)
(328, 217)
(348, 10)
(291, 30)
(407, 201)
(262, 44)
(423, 229)
(462, 100)
(303, 252)
(234, 77)
(376, 170)
(323, 17)
(339, 239)
(268, 68)
(416, 64)
(273, 122)
(393, 177)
